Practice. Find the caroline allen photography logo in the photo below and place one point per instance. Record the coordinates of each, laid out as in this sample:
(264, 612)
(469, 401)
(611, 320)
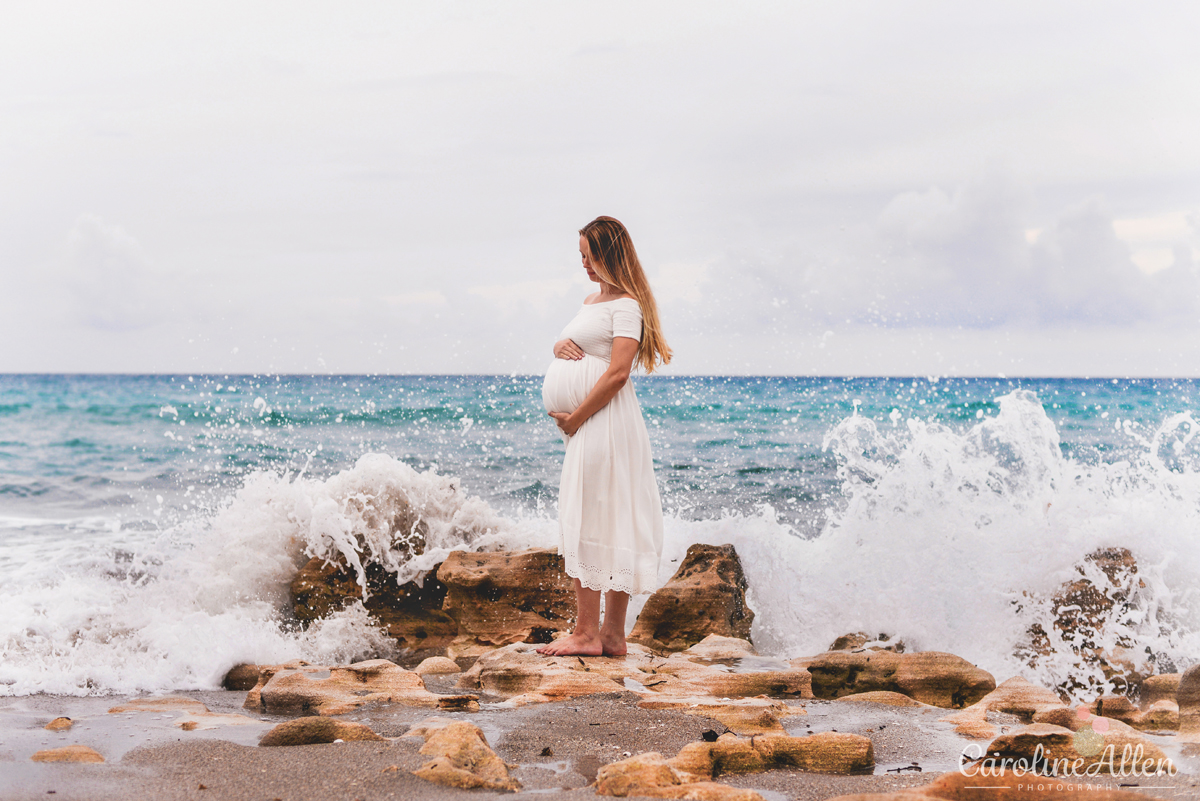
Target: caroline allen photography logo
(1088, 743)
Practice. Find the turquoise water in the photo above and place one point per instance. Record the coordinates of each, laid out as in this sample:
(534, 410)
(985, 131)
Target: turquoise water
(149, 525)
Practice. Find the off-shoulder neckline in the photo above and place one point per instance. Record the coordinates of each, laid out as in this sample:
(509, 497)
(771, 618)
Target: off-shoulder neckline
(602, 302)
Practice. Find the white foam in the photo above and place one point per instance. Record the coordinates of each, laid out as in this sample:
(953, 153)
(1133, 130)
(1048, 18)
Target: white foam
(949, 539)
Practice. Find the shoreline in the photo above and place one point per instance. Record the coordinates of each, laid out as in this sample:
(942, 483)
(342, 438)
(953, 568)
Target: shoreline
(557, 747)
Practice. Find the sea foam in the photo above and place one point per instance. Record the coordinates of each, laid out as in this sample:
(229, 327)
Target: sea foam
(949, 539)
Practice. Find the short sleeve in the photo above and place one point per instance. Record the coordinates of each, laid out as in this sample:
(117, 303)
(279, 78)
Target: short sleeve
(627, 320)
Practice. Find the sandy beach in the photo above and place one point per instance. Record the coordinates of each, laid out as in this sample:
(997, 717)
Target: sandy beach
(555, 749)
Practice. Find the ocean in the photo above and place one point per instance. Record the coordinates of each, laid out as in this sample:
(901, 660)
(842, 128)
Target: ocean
(150, 524)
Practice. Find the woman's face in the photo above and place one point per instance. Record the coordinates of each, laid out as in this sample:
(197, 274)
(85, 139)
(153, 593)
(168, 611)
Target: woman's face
(586, 253)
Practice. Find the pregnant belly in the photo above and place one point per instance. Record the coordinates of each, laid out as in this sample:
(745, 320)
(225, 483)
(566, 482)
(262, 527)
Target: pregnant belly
(568, 382)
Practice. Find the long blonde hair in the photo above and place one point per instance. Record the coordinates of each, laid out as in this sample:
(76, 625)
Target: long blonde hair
(616, 262)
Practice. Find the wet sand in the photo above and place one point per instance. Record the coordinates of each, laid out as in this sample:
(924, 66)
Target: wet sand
(556, 747)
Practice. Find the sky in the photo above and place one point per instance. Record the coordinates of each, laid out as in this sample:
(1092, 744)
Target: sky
(849, 188)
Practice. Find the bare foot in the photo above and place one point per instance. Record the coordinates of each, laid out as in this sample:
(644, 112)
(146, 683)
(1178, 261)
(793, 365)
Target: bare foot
(613, 644)
(573, 645)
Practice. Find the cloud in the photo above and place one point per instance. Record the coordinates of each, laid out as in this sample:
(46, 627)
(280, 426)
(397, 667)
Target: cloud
(111, 284)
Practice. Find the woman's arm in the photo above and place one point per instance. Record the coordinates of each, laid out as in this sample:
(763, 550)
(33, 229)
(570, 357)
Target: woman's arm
(624, 351)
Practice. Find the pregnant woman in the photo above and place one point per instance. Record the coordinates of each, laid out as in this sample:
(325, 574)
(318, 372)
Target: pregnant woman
(609, 511)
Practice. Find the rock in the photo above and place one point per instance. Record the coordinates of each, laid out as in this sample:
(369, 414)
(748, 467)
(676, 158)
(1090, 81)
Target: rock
(311, 730)
(1081, 609)
(931, 677)
(410, 613)
(745, 716)
(59, 724)
(463, 759)
(707, 595)
(291, 689)
(1187, 696)
(437, 665)
(1017, 696)
(70, 753)
(850, 642)
(1162, 686)
(1161, 716)
(192, 714)
(505, 597)
(241, 678)
(1090, 746)
(883, 697)
(698, 763)
(164, 703)
(1117, 707)
(860, 641)
(517, 673)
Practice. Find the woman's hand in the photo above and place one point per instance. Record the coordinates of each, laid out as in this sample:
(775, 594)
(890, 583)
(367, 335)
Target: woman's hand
(567, 349)
(565, 424)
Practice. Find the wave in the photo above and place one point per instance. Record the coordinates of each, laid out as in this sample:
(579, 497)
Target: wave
(949, 539)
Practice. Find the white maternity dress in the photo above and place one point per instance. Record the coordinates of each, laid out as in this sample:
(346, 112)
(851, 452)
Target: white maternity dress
(609, 511)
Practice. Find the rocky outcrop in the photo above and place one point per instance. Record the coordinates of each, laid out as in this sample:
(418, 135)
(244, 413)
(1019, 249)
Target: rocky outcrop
(410, 613)
(707, 595)
(192, 714)
(499, 598)
(1082, 609)
(241, 678)
(860, 641)
(312, 730)
(307, 689)
(59, 724)
(699, 763)
(519, 674)
(883, 697)
(1101, 743)
(931, 677)
(1188, 699)
(1160, 687)
(744, 716)
(70, 753)
(461, 757)
(1017, 696)
(437, 666)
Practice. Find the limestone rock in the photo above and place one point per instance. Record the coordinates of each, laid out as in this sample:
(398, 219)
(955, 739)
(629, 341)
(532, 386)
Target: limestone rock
(410, 613)
(883, 697)
(707, 595)
(1188, 698)
(437, 665)
(744, 716)
(462, 758)
(337, 690)
(1162, 686)
(1162, 715)
(861, 641)
(1017, 696)
(698, 763)
(164, 703)
(1117, 707)
(241, 678)
(1087, 744)
(517, 673)
(70, 753)
(931, 677)
(311, 730)
(1081, 608)
(506, 597)
(59, 724)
